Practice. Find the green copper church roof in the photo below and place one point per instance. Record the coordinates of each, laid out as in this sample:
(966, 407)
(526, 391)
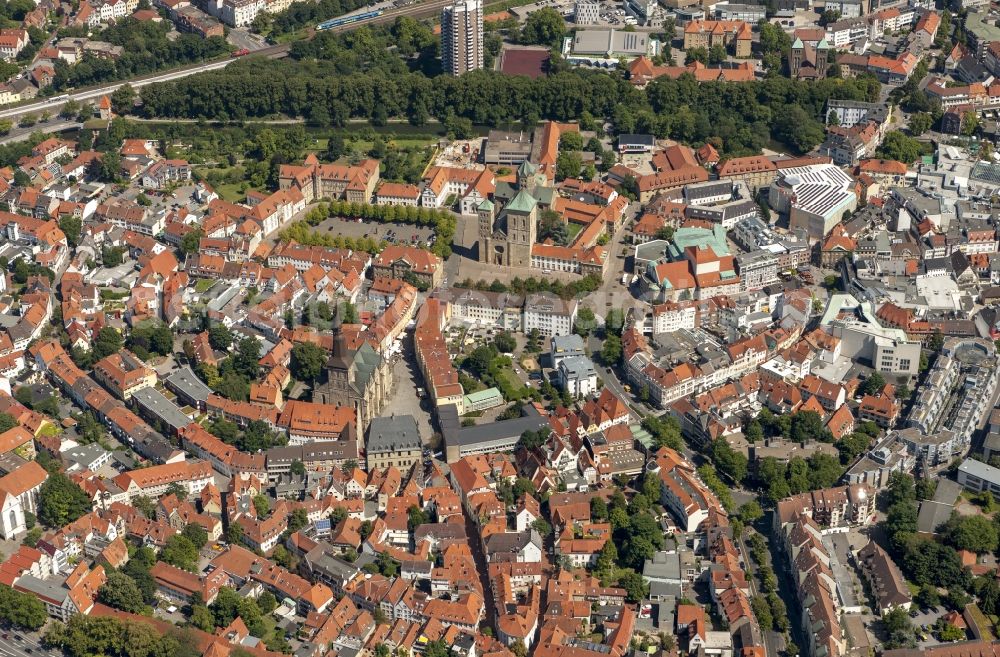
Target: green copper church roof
(523, 203)
(526, 169)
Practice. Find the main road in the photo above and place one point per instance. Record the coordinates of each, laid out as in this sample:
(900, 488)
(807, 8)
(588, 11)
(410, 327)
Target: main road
(51, 105)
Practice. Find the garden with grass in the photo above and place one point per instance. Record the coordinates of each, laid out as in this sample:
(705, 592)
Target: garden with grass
(486, 367)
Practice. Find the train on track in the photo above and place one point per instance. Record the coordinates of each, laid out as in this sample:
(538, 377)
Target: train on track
(347, 20)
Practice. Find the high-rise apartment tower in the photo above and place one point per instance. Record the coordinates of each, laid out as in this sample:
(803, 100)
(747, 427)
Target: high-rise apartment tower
(462, 36)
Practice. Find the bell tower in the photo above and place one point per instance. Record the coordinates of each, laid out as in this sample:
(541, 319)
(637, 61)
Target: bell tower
(485, 212)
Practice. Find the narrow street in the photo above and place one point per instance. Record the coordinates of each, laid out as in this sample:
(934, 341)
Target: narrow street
(773, 642)
(476, 547)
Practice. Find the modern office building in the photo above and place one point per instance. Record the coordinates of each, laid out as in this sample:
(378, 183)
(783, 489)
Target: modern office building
(462, 36)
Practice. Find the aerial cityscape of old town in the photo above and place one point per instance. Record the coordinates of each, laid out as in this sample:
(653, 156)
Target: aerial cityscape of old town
(499, 328)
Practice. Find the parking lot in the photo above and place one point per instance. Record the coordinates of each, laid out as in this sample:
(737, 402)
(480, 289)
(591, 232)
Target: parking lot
(923, 621)
(395, 233)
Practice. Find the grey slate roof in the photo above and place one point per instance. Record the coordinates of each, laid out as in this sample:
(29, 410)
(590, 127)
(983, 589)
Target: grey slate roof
(392, 434)
(184, 381)
(153, 402)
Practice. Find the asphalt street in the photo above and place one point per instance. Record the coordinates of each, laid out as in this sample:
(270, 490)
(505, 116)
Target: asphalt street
(22, 134)
(88, 95)
(27, 646)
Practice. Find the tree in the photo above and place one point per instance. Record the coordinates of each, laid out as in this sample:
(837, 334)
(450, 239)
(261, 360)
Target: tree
(542, 526)
(927, 597)
(750, 512)
(196, 534)
(897, 626)
(900, 523)
(60, 501)
(773, 39)
(505, 342)
(224, 430)
(32, 537)
(191, 241)
(261, 505)
(698, 54)
(416, 517)
(598, 509)
(899, 489)
(552, 226)
(852, 445)
(349, 313)
(614, 322)
(7, 422)
(717, 54)
(123, 99)
(807, 426)
(665, 430)
(387, 565)
(531, 440)
(611, 350)
(795, 127)
(929, 562)
(245, 360)
(21, 610)
(307, 361)
(202, 618)
(989, 594)
(948, 632)
(873, 385)
(779, 616)
(974, 533)
(109, 341)
(71, 227)
(571, 140)
(145, 506)
(220, 337)
(762, 611)
(109, 167)
(925, 489)
(544, 27)
(137, 569)
(232, 385)
(297, 520)
(970, 123)
(120, 592)
(436, 649)
(936, 342)
(585, 321)
(728, 461)
(635, 585)
(920, 123)
(177, 490)
(898, 146)
(258, 436)
(180, 552)
(607, 560)
(568, 164)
